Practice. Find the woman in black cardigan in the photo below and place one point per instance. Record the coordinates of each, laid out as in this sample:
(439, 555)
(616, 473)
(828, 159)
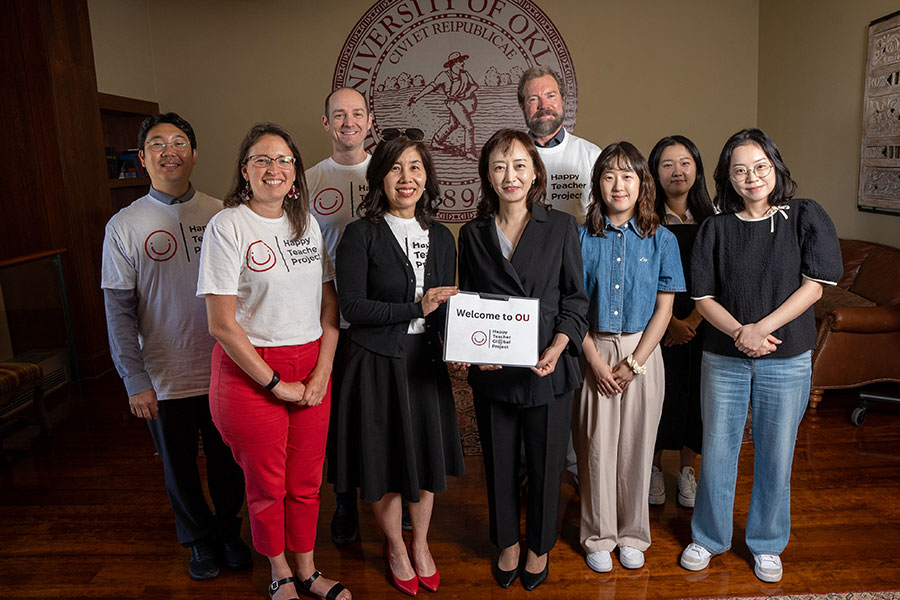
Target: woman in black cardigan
(396, 426)
(518, 246)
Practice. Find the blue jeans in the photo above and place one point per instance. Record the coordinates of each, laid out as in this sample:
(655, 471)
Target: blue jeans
(778, 389)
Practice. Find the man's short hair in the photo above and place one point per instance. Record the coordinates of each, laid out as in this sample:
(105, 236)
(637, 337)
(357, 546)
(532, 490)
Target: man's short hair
(171, 118)
(333, 92)
(534, 73)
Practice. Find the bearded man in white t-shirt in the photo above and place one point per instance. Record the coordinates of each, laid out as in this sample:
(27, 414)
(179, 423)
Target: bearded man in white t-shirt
(336, 187)
(160, 343)
(568, 158)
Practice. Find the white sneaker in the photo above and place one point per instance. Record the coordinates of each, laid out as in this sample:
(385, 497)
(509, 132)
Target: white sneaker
(599, 561)
(631, 558)
(687, 487)
(768, 567)
(695, 557)
(657, 487)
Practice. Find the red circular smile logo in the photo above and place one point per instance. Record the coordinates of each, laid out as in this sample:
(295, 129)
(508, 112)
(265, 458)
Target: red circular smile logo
(160, 245)
(479, 338)
(328, 201)
(260, 257)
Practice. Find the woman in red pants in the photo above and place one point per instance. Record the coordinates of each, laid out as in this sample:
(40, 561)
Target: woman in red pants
(272, 308)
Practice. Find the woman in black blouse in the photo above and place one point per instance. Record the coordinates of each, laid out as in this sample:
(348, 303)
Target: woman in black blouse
(518, 246)
(396, 429)
(756, 270)
(682, 204)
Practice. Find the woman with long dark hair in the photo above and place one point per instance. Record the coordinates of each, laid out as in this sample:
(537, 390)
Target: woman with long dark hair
(682, 203)
(271, 306)
(519, 246)
(756, 270)
(397, 433)
(631, 273)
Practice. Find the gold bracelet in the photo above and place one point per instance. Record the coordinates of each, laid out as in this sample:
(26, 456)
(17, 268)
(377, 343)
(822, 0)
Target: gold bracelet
(634, 366)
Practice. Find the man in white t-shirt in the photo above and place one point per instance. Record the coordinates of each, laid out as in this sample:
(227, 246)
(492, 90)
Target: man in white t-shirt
(160, 343)
(568, 159)
(336, 187)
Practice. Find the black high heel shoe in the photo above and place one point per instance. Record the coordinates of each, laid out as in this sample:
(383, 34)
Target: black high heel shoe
(505, 578)
(532, 580)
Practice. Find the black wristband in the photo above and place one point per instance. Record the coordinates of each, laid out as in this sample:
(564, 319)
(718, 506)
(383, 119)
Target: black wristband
(275, 379)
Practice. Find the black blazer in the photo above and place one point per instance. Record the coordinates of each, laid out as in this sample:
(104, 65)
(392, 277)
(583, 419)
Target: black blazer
(547, 265)
(377, 285)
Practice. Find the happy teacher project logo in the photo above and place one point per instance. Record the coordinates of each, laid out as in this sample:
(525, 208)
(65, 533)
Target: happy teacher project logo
(451, 68)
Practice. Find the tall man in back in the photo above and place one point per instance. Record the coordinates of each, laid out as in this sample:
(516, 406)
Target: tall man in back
(160, 343)
(336, 187)
(568, 158)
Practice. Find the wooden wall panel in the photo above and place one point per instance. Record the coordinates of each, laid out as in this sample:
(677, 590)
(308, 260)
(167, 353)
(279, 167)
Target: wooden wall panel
(50, 65)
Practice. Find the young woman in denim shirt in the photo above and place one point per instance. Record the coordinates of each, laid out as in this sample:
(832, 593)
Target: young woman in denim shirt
(756, 270)
(632, 270)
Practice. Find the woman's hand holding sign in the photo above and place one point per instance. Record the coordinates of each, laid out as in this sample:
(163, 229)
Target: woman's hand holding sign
(436, 296)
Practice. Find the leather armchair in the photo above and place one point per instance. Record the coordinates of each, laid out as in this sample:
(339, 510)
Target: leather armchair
(859, 321)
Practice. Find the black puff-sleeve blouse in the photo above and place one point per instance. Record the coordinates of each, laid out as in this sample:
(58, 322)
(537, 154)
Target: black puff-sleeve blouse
(752, 266)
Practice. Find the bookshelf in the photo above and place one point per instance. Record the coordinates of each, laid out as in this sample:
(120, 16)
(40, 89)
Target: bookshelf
(121, 117)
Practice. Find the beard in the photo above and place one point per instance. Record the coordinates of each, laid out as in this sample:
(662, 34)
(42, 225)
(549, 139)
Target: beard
(544, 127)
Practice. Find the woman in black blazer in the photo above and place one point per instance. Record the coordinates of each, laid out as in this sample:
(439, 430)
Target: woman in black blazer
(518, 246)
(396, 425)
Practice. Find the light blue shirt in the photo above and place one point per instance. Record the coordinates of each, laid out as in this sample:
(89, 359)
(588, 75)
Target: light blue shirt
(623, 272)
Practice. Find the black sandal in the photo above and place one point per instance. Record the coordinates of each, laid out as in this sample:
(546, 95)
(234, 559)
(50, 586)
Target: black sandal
(332, 594)
(275, 585)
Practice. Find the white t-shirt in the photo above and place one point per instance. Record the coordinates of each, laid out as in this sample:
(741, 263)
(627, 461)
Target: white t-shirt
(569, 167)
(154, 248)
(413, 240)
(277, 281)
(335, 192)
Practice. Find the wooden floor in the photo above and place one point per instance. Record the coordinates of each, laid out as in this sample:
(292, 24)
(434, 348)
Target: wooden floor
(84, 514)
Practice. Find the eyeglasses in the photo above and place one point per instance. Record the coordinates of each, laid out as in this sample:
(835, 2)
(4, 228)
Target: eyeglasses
(740, 173)
(158, 147)
(413, 133)
(262, 161)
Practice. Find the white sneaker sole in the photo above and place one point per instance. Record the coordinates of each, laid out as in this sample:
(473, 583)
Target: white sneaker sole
(692, 565)
(685, 501)
(657, 500)
(599, 563)
(768, 576)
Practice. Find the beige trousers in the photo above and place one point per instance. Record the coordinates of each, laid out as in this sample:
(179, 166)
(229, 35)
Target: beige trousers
(614, 439)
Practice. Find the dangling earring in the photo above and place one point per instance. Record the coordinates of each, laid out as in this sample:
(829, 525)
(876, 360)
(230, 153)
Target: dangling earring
(293, 193)
(247, 192)
(533, 181)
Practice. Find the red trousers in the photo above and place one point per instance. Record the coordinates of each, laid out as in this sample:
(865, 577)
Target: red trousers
(280, 446)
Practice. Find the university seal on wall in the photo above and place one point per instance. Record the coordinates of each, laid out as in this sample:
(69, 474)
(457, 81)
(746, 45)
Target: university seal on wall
(451, 68)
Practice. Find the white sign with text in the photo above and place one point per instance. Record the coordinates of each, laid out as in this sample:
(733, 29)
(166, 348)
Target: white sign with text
(487, 329)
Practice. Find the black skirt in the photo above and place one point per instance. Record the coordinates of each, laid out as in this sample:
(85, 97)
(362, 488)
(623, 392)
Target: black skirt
(396, 429)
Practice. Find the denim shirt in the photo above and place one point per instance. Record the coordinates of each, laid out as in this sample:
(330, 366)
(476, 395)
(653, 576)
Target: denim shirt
(623, 272)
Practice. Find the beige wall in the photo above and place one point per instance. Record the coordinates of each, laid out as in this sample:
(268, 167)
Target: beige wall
(644, 69)
(811, 68)
(123, 52)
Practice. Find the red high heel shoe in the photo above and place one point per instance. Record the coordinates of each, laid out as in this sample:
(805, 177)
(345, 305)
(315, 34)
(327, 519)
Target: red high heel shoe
(431, 582)
(410, 587)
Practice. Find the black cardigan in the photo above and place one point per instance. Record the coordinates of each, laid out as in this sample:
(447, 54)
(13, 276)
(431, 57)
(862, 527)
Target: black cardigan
(377, 285)
(546, 265)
